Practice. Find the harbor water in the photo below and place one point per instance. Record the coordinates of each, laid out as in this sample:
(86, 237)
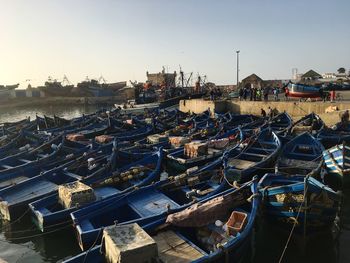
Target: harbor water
(21, 242)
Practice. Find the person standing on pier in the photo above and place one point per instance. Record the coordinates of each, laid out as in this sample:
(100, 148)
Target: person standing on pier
(258, 94)
(240, 94)
(332, 95)
(266, 94)
(286, 93)
(270, 113)
(212, 95)
(245, 93)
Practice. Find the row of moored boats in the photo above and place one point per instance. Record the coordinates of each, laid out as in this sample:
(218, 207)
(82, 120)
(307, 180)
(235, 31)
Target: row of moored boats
(171, 185)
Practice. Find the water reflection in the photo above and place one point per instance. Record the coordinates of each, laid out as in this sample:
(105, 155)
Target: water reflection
(66, 111)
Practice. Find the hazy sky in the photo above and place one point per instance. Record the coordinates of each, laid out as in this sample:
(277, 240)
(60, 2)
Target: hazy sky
(123, 39)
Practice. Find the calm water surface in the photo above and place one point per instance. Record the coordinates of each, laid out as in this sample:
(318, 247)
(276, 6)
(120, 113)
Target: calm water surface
(21, 242)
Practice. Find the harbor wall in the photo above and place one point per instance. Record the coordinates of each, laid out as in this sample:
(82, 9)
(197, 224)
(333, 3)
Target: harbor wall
(295, 109)
(201, 105)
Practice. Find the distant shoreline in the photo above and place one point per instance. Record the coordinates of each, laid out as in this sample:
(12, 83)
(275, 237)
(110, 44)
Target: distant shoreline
(47, 101)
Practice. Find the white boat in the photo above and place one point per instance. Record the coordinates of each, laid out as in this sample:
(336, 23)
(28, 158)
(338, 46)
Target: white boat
(132, 107)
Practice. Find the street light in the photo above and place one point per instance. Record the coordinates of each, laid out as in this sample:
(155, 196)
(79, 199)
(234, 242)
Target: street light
(237, 66)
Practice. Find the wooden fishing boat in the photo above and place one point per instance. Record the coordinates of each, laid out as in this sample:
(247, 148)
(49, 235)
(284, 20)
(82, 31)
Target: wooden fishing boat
(299, 200)
(134, 135)
(15, 198)
(66, 125)
(19, 142)
(13, 127)
(337, 164)
(21, 167)
(341, 126)
(311, 123)
(280, 124)
(233, 120)
(147, 203)
(170, 140)
(49, 212)
(301, 155)
(331, 137)
(199, 152)
(195, 234)
(254, 155)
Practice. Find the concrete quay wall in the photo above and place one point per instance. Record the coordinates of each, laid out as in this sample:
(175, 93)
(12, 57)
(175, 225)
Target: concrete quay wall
(295, 109)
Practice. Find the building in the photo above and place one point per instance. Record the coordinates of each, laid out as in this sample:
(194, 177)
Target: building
(255, 81)
(329, 75)
(162, 78)
(251, 81)
(311, 75)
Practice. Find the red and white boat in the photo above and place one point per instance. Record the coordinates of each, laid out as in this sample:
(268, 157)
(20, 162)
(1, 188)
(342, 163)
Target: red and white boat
(303, 91)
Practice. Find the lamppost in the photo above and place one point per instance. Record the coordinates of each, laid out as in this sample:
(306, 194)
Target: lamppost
(237, 51)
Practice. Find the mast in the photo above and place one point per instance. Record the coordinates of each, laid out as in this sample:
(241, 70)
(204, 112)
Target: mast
(182, 77)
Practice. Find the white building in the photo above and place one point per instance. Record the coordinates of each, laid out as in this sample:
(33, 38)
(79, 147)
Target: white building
(329, 76)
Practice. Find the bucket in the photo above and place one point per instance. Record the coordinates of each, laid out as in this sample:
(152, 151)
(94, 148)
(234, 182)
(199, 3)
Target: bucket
(236, 222)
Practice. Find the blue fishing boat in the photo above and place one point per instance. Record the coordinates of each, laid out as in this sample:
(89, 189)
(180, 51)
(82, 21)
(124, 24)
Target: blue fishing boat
(49, 212)
(231, 121)
(331, 137)
(148, 203)
(337, 164)
(191, 154)
(134, 135)
(202, 232)
(19, 142)
(311, 123)
(341, 126)
(14, 199)
(259, 152)
(280, 124)
(302, 155)
(147, 146)
(299, 200)
(22, 166)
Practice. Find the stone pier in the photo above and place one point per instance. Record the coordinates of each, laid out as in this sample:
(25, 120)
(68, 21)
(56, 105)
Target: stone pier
(295, 109)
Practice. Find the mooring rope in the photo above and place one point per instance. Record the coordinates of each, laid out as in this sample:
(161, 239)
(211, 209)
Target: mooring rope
(294, 224)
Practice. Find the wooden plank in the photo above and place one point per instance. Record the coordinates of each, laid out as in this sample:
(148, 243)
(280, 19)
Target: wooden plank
(172, 248)
(15, 180)
(240, 164)
(38, 188)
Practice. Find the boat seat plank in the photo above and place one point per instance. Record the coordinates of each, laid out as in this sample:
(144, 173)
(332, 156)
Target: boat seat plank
(76, 176)
(294, 163)
(151, 202)
(12, 181)
(25, 161)
(254, 154)
(172, 248)
(86, 225)
(103, 192)
(240, 164)
(6, 166)
(267, 150)
(44, 211)
(38, 188)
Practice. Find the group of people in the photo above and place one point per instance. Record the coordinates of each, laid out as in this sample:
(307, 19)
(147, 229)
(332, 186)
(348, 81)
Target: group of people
(257, 94)
(215, 93)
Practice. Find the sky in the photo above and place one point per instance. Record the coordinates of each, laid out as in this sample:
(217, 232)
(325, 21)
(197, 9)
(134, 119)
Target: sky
(121, 40)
